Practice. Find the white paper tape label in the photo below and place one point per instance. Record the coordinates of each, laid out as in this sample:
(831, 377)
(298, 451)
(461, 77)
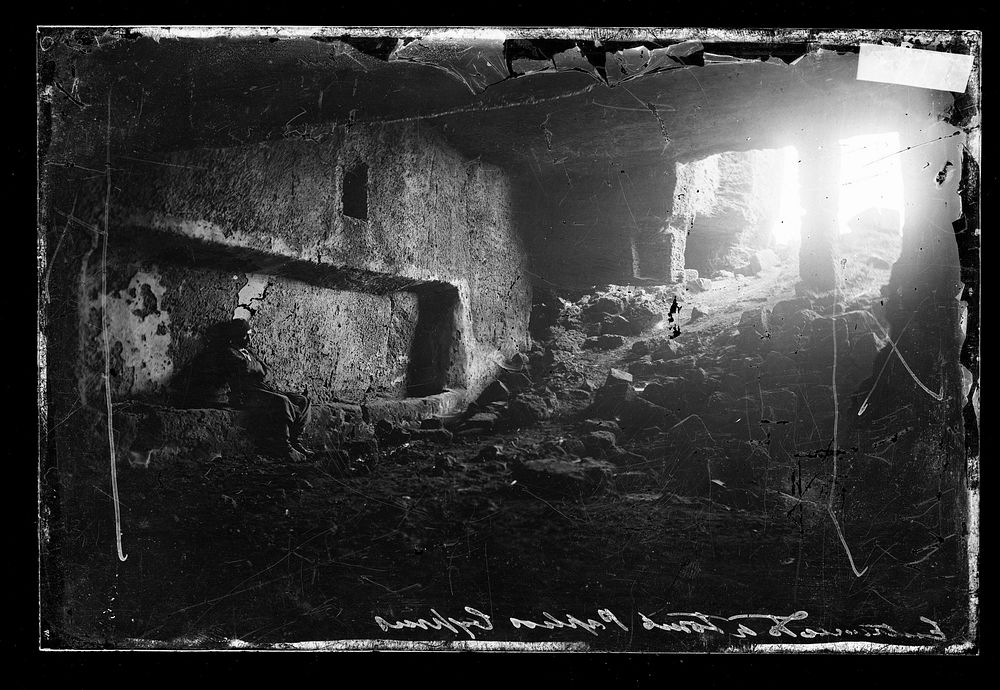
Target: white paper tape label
(926, 69)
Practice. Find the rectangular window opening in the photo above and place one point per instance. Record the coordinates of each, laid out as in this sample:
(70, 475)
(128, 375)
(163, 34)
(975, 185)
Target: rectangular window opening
(355, 192)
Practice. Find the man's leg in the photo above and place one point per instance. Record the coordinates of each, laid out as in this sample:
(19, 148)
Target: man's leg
(299, 410)
(279, 416)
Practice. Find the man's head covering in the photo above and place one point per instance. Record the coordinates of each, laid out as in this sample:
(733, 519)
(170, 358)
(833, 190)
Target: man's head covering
(238, 329)
(229, 332)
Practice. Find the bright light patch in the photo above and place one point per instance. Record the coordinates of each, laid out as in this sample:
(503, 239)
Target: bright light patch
(871, 183)
(788, 225)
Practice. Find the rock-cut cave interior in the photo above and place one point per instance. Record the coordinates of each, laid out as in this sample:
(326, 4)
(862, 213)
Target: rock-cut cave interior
(654, 324)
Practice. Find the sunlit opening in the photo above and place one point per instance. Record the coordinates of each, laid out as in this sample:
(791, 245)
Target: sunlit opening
(871, 183)
(871, 188)
(788, 223)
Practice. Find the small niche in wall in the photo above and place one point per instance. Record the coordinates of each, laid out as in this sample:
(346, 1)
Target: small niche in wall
(355, 191)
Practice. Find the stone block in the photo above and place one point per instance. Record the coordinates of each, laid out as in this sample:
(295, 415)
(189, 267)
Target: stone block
(616, 325)
(670, 349)
(764, 260)
(563, 478)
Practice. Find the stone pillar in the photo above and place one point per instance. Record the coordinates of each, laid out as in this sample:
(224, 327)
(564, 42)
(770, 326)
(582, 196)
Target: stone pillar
(658, 236)
(658, 252)
(922, 304)
(919, 403)
(819, 188)
(676, 245)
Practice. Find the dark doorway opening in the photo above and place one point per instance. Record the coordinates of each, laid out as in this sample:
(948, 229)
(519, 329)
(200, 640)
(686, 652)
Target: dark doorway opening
(434, 342)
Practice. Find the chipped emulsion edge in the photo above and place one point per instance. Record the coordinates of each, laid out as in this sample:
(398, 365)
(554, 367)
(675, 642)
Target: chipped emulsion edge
(855, 648)
(237, 645)
(600, 34)
(44, 534)
(973, 146)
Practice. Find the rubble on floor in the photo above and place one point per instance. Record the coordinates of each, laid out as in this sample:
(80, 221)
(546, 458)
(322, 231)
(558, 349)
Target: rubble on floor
(722, 417)
(607, 399)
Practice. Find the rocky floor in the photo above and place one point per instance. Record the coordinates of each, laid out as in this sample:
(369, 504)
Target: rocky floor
(657, 451)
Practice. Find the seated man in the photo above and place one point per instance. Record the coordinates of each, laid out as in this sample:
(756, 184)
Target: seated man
(228, 362)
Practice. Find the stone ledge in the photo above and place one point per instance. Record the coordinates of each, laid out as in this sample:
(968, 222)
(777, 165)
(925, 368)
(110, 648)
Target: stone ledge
(140, 426)
(410, 409)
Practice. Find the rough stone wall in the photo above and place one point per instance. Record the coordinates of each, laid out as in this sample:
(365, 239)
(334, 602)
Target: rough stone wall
(575, 244)
(336, 343)
(595, 226)
(434, 218)
(622, 222)
(343, 344)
